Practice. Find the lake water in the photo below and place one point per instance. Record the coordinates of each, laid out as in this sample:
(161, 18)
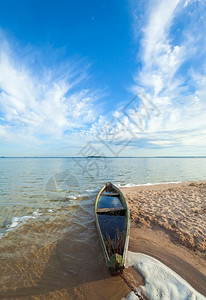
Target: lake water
(49, 245)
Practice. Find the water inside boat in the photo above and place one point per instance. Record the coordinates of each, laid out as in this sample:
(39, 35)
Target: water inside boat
(113, 226)
(109, 202)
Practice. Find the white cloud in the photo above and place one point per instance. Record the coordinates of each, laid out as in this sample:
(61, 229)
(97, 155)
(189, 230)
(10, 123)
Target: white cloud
(176, 87)
(169, 81)
(45, 105)
(155, 34)
(161, 59)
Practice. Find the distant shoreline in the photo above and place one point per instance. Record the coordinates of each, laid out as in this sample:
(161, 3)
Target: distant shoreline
(100, 157)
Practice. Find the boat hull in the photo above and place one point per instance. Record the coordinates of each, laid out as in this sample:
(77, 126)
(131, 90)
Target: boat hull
(113, 224)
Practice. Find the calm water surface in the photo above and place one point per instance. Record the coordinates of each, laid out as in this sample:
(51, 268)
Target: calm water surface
(49, 245)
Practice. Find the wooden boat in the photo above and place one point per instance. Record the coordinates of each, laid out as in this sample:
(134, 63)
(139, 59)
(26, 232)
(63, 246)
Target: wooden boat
(113, 223)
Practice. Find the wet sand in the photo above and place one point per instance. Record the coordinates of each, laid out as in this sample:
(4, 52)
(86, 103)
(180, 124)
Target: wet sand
(61, 258)
(168, 222)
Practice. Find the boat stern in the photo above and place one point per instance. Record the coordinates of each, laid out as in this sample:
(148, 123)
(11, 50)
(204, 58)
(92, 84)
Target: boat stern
(116, 264)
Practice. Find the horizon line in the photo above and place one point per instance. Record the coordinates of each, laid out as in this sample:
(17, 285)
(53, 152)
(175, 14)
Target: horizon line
(89, 157)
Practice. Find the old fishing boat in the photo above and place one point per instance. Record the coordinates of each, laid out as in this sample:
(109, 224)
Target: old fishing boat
(113, 222)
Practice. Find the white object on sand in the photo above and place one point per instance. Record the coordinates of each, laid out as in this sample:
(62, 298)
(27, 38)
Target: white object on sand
(160, 281)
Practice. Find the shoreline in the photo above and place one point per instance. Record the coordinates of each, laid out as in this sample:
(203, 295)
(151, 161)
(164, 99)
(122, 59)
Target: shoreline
(38, 262)
(131, 185)
(168, 222)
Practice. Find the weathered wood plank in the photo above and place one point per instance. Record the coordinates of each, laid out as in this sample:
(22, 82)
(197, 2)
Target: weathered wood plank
(110, 210)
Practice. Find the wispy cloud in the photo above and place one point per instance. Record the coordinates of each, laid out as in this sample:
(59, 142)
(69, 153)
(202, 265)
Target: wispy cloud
(45, 106)
(173, 58)
(172, 75)
(50, 104)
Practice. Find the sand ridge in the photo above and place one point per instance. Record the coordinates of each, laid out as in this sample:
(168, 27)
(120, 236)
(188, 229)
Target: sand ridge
(180, 209)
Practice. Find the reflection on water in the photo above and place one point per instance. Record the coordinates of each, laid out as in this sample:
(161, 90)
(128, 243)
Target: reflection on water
(109, 202)
(49, 246)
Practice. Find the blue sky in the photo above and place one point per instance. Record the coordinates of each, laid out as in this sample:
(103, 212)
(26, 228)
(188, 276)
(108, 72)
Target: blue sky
(70, 69)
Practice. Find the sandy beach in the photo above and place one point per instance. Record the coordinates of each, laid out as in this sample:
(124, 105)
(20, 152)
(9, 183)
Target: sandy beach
(168, 222)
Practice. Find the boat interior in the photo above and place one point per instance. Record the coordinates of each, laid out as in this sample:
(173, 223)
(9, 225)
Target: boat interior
(112, 220)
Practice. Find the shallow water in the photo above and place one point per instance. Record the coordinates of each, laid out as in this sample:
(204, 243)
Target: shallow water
(49, 242)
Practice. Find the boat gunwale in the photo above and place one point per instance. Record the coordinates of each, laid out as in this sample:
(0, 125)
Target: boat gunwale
(99, 229)
(127, 225)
